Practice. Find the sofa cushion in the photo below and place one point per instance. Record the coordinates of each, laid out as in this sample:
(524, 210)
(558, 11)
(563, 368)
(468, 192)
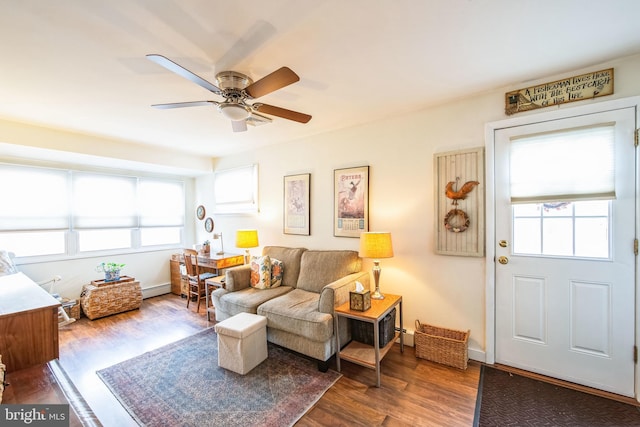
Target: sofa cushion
(290, 258)
(297, 312)
(277, 270)
(319, 268)
(261, 272)
(246, 300)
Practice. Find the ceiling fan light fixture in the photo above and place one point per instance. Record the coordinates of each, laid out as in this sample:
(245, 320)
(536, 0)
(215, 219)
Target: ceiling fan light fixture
(234, 112)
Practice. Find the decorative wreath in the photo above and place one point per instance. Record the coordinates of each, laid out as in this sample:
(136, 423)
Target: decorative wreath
(456, 220)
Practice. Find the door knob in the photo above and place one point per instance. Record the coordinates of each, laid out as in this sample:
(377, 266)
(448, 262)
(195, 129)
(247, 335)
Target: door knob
(503, 260)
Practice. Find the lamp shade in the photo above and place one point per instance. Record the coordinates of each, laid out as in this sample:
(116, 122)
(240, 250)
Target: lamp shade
(246, 238)
(376, 245)
(234, 112)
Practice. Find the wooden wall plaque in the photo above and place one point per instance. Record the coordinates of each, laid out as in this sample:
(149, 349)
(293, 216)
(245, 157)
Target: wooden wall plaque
(460, 167)
(571, 89)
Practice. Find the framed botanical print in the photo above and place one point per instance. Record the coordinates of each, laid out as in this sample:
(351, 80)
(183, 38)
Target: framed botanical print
(351, 201)
(297, 204)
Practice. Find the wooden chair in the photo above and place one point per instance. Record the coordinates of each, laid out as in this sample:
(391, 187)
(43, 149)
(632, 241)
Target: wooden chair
(195, 278)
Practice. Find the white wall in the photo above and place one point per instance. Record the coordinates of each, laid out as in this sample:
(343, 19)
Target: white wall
(443, 290)
(150, 268)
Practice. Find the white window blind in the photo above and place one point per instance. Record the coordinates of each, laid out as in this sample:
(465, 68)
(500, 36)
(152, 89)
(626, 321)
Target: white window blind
(104, 201)
(569, 165)
(236, 190)
(161, 203)
(34, 198)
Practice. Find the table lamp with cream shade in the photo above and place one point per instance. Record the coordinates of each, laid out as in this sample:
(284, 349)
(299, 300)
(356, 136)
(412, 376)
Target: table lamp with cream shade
(376, 245)
(246, 239)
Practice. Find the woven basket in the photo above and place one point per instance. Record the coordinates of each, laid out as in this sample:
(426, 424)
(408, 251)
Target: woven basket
(74, 310)
(100, 301)
(441, 345)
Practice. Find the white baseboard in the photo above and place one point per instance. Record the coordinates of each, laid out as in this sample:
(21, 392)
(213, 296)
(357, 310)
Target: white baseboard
(157, 290)
(478, 355)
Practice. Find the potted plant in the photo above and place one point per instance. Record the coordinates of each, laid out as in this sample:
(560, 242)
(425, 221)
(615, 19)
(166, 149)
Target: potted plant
(111, 270)
(206, 247)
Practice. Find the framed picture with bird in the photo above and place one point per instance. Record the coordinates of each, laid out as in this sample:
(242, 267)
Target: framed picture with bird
(459, 191)
(351, 201)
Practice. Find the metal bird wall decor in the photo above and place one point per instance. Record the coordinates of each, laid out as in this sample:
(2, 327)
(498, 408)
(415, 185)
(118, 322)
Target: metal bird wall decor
(461, 194)
(456, 219)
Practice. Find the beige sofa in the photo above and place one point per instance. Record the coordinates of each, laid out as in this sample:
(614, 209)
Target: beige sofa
(300, 311)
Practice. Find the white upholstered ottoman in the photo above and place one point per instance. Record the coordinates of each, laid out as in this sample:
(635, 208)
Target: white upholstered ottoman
(242, 342)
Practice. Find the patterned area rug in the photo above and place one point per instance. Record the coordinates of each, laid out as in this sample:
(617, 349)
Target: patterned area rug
(181, 385)
(506, 399)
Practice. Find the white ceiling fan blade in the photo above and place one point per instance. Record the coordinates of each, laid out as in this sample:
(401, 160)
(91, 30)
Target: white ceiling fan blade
(184, 104)
(183, 72)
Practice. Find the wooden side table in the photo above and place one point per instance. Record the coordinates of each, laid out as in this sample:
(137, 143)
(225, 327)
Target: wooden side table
(213, 282)
(364, 354)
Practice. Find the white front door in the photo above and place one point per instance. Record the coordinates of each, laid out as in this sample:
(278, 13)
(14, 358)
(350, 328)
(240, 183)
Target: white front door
(565, 290)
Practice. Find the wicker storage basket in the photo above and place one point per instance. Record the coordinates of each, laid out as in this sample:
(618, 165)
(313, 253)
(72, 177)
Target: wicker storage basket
(100, 301)
(73, 310)
(441, 345)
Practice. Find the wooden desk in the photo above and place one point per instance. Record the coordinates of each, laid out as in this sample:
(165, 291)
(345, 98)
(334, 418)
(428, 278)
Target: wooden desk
(212, 263)
(363, 354)
(28, 323)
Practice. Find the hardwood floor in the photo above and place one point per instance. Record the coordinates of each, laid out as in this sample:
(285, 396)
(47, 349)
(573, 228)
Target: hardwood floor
(413, 391)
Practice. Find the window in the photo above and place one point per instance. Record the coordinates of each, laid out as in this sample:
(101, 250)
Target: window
(161, 218)
(104, 201)
(566, 229)
(34, 199)
(34, 243)
(59, 212)
(236, 190)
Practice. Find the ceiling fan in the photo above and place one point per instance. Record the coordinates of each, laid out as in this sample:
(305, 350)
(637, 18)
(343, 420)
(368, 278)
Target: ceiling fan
(236, 89)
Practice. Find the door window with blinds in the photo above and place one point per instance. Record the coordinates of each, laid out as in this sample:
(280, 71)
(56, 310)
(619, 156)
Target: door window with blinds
(562, 184)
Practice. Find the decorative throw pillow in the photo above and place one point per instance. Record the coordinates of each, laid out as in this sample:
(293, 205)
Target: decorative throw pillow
(261, 272)
(6, 264)
(277, 271)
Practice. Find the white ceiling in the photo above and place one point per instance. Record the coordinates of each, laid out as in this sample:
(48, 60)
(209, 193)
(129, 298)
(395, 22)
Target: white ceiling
(80, 65)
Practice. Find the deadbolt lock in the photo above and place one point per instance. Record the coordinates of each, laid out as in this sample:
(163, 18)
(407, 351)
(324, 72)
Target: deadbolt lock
(503, 260)
(503, 243)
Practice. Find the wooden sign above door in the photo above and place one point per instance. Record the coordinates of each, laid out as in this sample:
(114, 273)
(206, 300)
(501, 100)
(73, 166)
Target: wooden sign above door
(577, 88)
